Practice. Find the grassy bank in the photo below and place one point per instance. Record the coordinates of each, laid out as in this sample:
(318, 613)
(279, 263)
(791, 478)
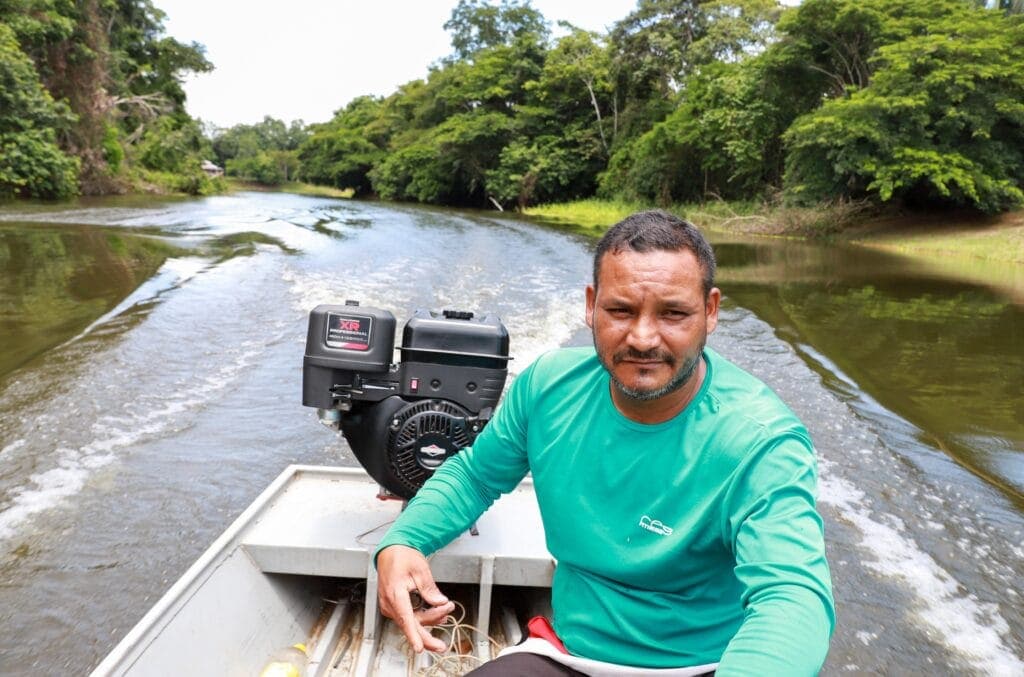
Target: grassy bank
(296, 187)
(998, 238)
(963, 236)
(594, 215)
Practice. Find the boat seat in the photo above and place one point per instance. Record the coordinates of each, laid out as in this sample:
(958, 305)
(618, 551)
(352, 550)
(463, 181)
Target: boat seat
(328, 522)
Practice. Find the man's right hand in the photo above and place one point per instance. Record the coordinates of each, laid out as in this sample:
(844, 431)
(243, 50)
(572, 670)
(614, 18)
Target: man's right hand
(401, 570)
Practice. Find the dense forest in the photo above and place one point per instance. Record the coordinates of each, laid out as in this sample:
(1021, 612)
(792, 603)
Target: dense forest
(919, 102)
(91, 100)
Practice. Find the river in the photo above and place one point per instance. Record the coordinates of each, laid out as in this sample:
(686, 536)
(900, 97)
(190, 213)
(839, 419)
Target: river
(150, 368)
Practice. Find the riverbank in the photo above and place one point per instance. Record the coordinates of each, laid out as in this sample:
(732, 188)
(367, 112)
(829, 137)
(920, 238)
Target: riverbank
(935, 235)
(294, 187)
(594, 215)
(990, 238)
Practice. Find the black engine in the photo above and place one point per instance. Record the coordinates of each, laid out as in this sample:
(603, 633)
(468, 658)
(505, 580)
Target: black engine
(403, 420)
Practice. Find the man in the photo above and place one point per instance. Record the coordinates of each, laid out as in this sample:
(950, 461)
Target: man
(676, 490)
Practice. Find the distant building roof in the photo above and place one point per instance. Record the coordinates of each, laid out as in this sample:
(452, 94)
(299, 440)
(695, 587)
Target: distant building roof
(212, 170)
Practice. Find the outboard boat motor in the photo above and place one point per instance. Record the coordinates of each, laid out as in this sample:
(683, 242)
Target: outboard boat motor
(403, 420)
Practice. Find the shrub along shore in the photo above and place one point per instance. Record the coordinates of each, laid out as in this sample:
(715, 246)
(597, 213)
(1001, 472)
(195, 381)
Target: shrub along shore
(296, 187)
(963, 236)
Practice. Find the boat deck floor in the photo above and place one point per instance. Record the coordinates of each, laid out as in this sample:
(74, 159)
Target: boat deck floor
(328, 522)
(297, 566)
(339, 648)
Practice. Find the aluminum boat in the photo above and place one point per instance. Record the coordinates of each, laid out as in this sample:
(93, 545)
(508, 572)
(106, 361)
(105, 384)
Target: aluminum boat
(295, 567)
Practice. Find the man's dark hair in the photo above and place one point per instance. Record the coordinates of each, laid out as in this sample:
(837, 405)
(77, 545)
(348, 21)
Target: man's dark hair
(657, 230)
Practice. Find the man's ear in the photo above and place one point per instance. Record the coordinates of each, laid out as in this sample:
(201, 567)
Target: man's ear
(711, 308)
(591, 299)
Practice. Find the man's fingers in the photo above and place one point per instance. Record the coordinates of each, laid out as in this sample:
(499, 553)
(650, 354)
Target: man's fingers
(403, 571)
(419, 636)
(435, 614)
(411, 628)
(412, 623)
(428, 589)
(431, 643)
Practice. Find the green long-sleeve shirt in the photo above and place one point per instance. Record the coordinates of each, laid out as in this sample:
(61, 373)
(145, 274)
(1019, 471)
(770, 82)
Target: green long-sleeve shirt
(681, 543)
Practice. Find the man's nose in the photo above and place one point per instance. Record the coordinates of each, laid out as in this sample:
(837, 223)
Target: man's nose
(643, 333)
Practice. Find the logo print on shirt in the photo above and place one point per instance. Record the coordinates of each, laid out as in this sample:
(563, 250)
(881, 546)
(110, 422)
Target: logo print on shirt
(655, 525)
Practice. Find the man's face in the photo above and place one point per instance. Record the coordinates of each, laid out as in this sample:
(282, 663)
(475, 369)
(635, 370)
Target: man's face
(650, 320)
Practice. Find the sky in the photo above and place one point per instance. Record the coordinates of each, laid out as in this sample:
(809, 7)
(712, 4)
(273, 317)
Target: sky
(305, 59)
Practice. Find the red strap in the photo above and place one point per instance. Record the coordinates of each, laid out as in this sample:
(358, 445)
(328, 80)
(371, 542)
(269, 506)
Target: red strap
(541, 628)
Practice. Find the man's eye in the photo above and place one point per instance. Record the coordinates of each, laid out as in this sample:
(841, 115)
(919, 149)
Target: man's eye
(618, 312)
(675, 314)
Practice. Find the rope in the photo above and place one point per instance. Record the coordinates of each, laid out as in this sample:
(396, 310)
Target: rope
(452, 661)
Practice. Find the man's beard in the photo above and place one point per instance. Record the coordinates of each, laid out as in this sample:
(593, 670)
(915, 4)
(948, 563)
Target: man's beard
(680, 378)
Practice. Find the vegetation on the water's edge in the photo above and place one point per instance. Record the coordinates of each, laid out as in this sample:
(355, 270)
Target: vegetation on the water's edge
(737, 216)
(915, 103)
(295, 187)
(960, 236)
(963, 235)
(264, 153)
(819, 110)
(92, 101)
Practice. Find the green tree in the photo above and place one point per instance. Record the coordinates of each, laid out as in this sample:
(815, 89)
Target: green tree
(938, 121)
(450, 164)
(444, 137)
(270, 134)
(342, 152)
(173, 149)
(339, 157)
(660, 43)
(147, 66)
(704, 116)
(476, 25)
(38, 24)
(260, 167)
(110, 62)
(31, 163)
(546, 168)
(266, 152)
(172, 145)
(722, 141)
(577, 72)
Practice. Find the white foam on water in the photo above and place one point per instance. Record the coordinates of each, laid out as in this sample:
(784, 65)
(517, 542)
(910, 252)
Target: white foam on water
(185, 267)
(13, 446)
(44, 490)
(866, 637)
(173, 273)
(552, 324)
(547, 322)
(969, 627)
(148, 420)
(310, 290)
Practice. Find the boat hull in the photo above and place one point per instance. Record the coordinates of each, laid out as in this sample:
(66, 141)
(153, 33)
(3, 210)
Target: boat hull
(296, 567)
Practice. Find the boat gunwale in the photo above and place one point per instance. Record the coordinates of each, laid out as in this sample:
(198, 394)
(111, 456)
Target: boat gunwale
(175, 599)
